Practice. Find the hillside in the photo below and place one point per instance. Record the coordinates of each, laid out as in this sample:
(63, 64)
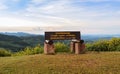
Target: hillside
(34, 40)
(12, 43)
(89, 63)
(15, 43)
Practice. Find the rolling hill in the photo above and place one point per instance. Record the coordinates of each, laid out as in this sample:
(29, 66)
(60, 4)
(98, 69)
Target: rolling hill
(12, 43)
(15, 43)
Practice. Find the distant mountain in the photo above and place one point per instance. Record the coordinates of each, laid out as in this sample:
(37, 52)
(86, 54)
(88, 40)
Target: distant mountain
(18, 34)
(91, 38)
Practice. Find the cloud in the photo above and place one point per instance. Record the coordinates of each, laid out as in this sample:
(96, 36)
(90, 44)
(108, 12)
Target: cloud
(30, 29)
(71, 9)
(14, 22)
(48, 7)
(45, 15)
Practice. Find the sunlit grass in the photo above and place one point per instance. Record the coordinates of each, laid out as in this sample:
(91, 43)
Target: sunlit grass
(63, 63)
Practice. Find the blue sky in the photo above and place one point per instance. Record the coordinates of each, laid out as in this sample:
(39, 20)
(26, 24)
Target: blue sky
(37, 16)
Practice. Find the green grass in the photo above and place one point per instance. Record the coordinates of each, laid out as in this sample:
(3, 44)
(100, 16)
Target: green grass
(63, 63)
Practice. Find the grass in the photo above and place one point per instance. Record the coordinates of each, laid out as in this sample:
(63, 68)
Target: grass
(63, 63)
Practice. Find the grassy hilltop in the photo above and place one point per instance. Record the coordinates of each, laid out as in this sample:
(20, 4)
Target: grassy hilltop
(64, 63)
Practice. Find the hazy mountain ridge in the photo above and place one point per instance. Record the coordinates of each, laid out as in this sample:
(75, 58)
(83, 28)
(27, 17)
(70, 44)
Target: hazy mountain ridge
(97, 37)
(19, 34)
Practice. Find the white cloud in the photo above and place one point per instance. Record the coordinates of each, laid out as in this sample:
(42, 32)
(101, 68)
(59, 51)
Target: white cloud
(64, 9)
(50, 7)
(41, 15)
(14, 22)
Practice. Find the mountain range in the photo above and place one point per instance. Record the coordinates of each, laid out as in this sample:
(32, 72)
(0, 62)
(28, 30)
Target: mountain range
(18, 34)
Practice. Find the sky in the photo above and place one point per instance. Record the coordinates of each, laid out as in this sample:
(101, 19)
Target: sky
(38, 16)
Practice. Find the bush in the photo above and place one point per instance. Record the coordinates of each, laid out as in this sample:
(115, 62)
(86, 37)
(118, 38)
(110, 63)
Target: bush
(101, 45)
(113, 44)
(118, 48)
(4, 53)
(89, 46)
(61, 47)
(30, 51)
(105, 45)
(38, 49)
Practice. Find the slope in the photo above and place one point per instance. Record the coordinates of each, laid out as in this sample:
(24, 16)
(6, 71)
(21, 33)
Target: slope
(12, 43)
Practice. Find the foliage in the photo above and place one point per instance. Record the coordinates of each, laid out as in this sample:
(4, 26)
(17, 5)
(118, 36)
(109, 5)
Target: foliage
(118, 48)
(105, 45)
(114, 44)
(38, 49)
(30, 50)
(61, 47)
(4, 52)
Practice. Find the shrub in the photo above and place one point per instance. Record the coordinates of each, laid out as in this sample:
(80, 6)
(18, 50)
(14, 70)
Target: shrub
(4, 52)
(114, 43)
(101, 45)
(30, 51)
(118, 48)
(89, 46)
(105, 45)
(38, 49)
(61, 47)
